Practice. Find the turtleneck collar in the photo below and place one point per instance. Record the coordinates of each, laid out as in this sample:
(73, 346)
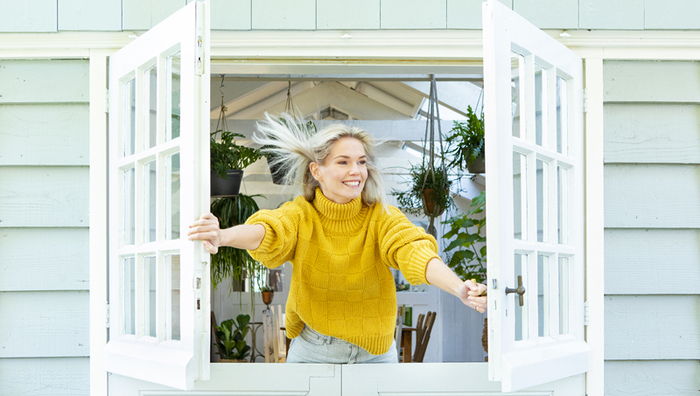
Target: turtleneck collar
(336, 211)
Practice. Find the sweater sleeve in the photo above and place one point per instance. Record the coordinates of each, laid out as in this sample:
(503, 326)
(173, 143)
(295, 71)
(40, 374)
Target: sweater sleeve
(406, 247)
(279, 244)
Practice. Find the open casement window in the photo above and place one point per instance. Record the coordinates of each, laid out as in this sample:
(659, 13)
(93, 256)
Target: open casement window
(158, 183)
(534, 154)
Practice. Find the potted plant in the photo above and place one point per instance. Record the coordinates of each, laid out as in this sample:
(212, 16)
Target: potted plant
(466, 143)
(267, 294)
(469, 257)
(228, 160)
(228, 261)
(231, 342)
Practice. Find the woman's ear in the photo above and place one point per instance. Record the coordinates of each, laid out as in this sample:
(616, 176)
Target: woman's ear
(315, 171)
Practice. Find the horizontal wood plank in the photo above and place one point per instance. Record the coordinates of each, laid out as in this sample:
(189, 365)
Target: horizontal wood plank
(44, 324)
(466, 14)
(652, 327)
(144, 14)
(663, 81)
(652, 196)
(652, 133)
(44, 196)
(89, 15)
(640, 261)
(44, 259)
(284, 15)
(413, 14)
(604, 14)
(652, 378)
(549, 14)
(44, 134)
(230, 15)
(44, 81)
(29, 16)
(676, 14)
(48, 376)
(341, 14)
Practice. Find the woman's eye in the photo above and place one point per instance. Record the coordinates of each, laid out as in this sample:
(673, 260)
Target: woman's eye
(363, 162)
(343, 162)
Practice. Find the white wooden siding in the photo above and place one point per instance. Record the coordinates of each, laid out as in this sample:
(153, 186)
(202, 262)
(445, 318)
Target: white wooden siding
(652, 133)
(414, 14)
(652, 261)
(655, 82)
(652, 378)
(284, 15)
(549, 14)
(672, 14)
(40, 377)
(104, 15)
(466, 14)
(652, 196)
(44, 324)
(652, 327)
(144, 14)
(43, 81)
(230, 15)
(342, 14)
(606, 14)
(43, 259)
(44, 134)
(28, 16)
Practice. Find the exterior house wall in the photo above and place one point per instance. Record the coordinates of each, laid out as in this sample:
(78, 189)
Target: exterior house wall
(44, 340)
(652, 227)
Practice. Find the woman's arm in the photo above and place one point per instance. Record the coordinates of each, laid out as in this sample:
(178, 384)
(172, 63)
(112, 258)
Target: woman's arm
(440, 275)
(245, 236)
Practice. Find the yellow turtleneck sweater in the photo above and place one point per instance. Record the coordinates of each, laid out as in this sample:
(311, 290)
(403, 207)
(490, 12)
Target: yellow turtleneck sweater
(341, 254)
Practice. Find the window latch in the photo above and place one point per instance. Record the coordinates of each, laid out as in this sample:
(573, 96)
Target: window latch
(520, 291)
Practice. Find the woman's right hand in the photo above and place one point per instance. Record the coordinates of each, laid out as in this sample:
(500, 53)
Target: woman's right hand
(207, 230)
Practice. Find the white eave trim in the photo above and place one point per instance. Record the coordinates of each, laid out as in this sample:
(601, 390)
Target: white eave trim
(447, 45)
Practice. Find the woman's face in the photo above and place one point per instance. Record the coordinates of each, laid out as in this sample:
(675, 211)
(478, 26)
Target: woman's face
(344, 171)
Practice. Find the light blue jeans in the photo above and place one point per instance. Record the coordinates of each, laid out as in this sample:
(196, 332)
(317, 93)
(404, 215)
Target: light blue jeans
(313, 347)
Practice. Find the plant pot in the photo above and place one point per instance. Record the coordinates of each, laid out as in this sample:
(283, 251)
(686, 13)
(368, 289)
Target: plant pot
(233, 361)
(478, 166)
(267, 297)
(429, 206)
(226, 187)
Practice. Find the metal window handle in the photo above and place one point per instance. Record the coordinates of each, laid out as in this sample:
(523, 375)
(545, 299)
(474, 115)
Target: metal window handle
(520, 291)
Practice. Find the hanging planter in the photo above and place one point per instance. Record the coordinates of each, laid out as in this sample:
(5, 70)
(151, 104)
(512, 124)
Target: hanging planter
(226, 187)
(478, 165)
(466, 143)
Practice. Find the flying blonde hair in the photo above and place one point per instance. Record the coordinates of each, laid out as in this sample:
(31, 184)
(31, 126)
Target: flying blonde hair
(294, 146)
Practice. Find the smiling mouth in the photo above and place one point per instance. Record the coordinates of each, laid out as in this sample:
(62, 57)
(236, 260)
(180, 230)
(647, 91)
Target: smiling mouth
(352, 183)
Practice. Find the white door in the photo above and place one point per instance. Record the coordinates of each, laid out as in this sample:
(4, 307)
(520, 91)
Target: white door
(158, 184)
(534, 153)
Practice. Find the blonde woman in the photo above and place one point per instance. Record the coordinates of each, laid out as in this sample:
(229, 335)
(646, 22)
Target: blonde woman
(341, 238)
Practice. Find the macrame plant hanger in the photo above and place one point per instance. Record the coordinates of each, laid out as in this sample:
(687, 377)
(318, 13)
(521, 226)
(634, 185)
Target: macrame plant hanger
(222, 111)
(289, 105)
(429, 149)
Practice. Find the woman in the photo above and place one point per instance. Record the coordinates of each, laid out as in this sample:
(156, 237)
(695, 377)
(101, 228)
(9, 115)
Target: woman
(341, 238)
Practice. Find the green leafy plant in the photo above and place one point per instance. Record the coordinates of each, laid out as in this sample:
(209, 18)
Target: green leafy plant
(468, 260)
(232, 262)
(231, 342)
(413, 199)
(226, 154)
(466, 140)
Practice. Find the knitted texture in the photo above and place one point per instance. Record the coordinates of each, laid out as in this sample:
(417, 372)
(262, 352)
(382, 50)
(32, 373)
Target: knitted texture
(341, 253)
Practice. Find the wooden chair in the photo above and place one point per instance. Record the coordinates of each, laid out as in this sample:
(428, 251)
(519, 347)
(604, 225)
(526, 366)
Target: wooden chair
(423, 331)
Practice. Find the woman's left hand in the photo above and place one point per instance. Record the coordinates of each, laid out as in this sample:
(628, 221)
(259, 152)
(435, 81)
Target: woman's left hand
(473, 295)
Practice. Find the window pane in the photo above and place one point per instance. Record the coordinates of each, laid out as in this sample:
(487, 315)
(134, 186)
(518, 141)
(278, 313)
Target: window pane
(519, 196)
(173, 127)
(562, 121)
(172, 264)
(516, 65)
(172, 196)
(129, 203)
(149, 202)
(129, 135)
(543, 295)
(542, 201)
(149, 303)
(562, 206)
(564, 292)
(540, 104)
(129, 290)
(151, 116)
(521, 326)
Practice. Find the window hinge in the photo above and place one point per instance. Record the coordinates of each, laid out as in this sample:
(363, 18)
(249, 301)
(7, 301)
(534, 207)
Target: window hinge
(585, 100)
(106, 100)
(107, 315)
(586, 313)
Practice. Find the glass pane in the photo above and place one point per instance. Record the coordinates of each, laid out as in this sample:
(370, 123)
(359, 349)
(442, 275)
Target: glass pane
(540, 101)
(173, 127)
(516, 66)
(129, 289)
(543, 295)
(172, 196)
(521, 326)
(129, 135)
(129, 203)
(149, 303)
(172, 264)
(564, 291)
(562, 121)
(149, 202)
(542, 201)
(562, 205)
(151, 118)
(519, 196)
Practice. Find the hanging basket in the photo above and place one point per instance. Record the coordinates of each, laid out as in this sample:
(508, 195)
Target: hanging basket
(430, 208)
(226, 187)
(267, 297)
(478, 165)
